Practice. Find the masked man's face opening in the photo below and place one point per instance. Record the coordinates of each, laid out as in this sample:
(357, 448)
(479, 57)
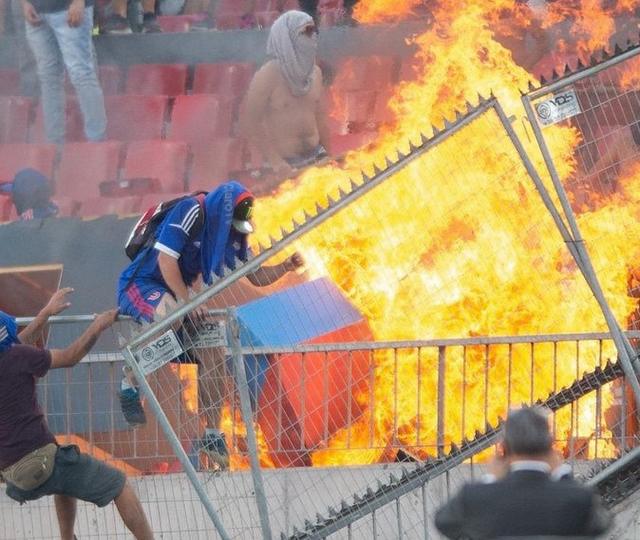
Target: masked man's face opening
(242, 216)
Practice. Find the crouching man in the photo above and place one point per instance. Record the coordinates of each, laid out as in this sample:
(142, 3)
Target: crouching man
(31, 461)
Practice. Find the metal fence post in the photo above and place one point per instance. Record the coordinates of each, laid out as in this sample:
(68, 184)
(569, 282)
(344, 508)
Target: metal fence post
(247, 416)
(152, 400)
(442, 351)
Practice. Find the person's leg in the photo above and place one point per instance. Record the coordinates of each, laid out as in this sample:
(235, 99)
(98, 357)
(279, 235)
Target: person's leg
(66, 508)
(26, 61)
(132, 514)
(212, 385)
(116, 22)
(51, 74)
(212, 391)
(77, 50)
(310, 7)
(149, 21)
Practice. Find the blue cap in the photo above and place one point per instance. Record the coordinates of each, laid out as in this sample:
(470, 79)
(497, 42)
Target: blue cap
(8, 331)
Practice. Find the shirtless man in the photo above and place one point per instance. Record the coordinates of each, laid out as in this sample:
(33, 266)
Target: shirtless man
(284, 116)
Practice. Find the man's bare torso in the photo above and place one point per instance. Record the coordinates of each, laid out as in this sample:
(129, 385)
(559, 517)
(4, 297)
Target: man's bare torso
(291, 120)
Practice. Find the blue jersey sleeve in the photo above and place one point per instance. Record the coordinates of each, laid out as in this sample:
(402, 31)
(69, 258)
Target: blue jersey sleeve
(176, 227)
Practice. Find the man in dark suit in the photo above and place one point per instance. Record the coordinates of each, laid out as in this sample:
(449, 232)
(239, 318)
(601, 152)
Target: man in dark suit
(524, 498)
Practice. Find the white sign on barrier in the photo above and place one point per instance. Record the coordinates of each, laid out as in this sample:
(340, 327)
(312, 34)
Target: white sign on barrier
(561, 106)
(211, 334)
(160, 351)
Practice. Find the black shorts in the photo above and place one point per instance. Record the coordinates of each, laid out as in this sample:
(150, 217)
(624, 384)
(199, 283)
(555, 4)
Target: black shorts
(76, 475)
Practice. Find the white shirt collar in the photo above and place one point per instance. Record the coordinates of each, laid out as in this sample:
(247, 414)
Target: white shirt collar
(530, 465)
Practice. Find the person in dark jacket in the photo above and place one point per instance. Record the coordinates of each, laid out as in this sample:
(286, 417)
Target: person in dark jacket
(32, 463)
(524, 499)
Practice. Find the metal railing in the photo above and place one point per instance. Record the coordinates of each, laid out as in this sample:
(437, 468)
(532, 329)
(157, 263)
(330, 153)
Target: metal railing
(82, 402)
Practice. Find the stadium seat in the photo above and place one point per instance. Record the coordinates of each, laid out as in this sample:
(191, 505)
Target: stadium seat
(164, 160)
(354, 111)
(14, 119)
(74, 124)
(83, 166)
(156, 79)
(14, 157)
(227, 80)
(131, 118)
(264, 19)
(408, 69)
(67, 206)
(212, 164)
(200, 119)
(6, 208)
(365, 73)
(229, 14)
(154, 199)
(294, 4)
(9, 82)
(179, 23)
(110, 77)
(341, 144)
(101, 206)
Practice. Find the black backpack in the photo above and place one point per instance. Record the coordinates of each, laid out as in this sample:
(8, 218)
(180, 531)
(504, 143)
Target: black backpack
(143, 233)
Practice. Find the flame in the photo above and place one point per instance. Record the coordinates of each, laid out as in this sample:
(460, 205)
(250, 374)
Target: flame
(459, 243)
(376, 11)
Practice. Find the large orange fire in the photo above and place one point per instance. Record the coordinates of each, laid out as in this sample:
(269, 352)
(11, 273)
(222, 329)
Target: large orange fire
(458, 243)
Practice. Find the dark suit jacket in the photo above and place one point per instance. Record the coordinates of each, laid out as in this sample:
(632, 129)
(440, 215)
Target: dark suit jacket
(524, 503)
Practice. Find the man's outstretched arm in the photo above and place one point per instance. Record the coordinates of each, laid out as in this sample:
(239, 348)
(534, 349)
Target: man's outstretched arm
(57, 304)
(266, 275)
(69, 357)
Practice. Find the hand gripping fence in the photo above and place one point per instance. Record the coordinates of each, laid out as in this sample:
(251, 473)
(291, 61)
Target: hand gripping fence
(408, 481)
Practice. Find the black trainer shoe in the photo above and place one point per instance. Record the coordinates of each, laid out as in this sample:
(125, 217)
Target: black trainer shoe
(115, 24)
(132, 407)
(150, 24)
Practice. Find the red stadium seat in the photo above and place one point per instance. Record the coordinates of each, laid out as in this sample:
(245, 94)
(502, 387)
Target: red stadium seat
(229, 80)
(265, 19)
(83, 166)
(231, 7)
(231, 14)
(67, 206)
(14, 119)
(132, 118)
(110, 77)
(156, 79)
(74, 124)
(409, 69)
(212, 164)
(341, 144)
(293, 4)
(200, 119)
(354, 110)
(179, 23)
(6, 208)
(14, 157)
(9, 82)
(363, 73)
(154, 199)
(164, 160)
(102, 206)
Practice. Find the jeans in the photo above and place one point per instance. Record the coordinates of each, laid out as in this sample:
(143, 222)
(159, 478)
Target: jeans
(55, 46)
(26, 61)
